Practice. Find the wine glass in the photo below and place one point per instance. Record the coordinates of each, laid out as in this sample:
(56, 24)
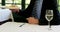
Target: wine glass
(49, 17)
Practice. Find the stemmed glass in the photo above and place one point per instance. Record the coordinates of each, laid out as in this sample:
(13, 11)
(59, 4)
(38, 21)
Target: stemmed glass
(49, 17)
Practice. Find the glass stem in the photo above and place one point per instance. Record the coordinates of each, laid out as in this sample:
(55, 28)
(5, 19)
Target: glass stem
(49, 24)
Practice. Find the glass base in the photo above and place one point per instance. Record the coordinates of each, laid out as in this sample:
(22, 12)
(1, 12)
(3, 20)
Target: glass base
(49, 29)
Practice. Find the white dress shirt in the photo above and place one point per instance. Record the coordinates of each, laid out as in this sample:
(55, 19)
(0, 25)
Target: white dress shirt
(4, 14)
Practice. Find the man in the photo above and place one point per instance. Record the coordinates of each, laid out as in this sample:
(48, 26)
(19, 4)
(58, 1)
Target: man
(47, 4)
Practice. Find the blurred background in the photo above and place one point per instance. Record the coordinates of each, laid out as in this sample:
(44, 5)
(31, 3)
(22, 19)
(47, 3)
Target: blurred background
(22, 4)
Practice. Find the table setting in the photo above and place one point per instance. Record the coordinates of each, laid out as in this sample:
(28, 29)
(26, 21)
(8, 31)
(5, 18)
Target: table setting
(25, 27)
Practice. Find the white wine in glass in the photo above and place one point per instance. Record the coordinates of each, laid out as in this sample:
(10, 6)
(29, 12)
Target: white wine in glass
(49, 16)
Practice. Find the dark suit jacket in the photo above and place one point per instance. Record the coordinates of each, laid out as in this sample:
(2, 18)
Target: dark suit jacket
(47, 4)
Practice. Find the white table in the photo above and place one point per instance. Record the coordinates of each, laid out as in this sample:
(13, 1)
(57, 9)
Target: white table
(14, 27)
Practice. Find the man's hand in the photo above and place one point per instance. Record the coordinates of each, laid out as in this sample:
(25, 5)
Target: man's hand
(32, 20)
(15, 10)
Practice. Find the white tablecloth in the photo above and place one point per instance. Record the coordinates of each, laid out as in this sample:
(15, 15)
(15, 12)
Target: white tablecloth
(4, 14)
(15, 27)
